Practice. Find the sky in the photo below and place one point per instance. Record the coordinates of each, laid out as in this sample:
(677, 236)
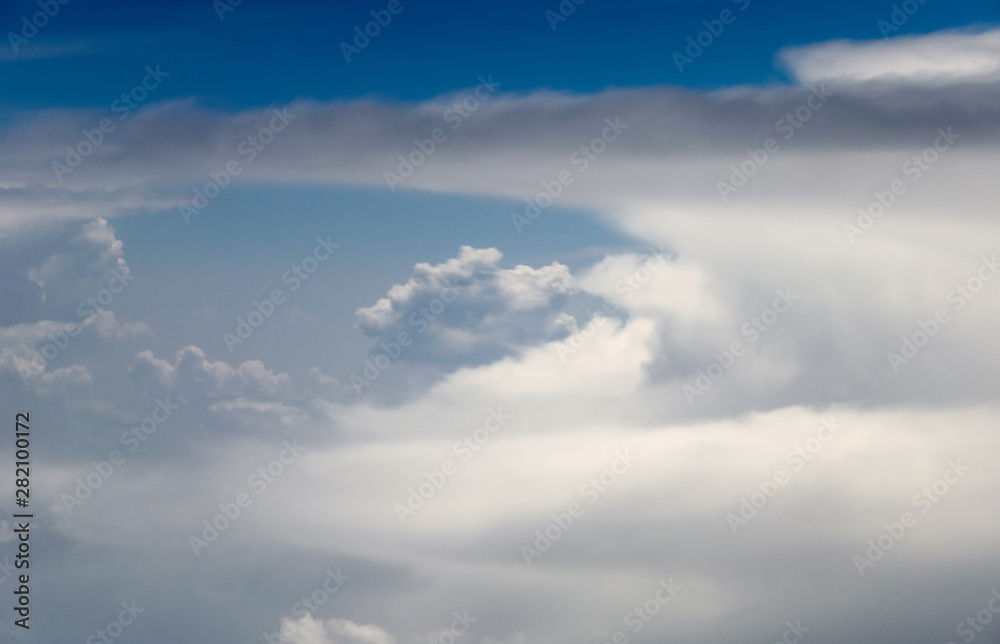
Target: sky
(499, 323)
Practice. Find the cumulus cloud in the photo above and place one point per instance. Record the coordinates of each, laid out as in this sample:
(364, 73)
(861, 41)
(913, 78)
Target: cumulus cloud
(53, 267)
(193, 376)
(471, 310)
(308, 630)
(30, 350)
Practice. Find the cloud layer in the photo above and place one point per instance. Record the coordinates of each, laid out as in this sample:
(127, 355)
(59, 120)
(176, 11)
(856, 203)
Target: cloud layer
(798, 352)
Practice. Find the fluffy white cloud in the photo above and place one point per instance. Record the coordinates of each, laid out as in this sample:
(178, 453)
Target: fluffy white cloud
(470, 310)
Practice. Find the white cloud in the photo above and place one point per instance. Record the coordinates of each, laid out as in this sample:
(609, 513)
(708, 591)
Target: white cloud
(308, 630)
(677, 143)
(571, 411)
(53, 267)
(29, 349)
(193, 376)
(943, 57)
(470, 310)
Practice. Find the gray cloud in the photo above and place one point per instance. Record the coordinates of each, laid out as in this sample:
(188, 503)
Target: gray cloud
(156, 158)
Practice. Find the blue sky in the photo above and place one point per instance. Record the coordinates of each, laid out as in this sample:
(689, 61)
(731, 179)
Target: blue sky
(504, 331)
(268, 52)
